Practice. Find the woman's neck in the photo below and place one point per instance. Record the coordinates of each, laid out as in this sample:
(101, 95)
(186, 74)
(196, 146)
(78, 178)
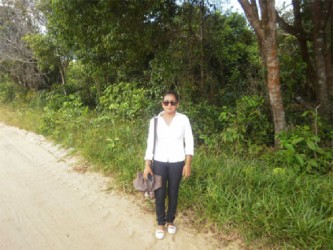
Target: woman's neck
(168, 115)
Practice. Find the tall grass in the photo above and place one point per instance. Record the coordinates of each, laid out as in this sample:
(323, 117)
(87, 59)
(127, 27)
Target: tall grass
(247, 195)
(115, 146)
(25, 118)
(283, 207)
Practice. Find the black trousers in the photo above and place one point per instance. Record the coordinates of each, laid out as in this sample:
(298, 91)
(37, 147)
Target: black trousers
(171, 177)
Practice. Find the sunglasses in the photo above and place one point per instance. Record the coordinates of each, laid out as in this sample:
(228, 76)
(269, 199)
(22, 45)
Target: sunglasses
(166, 103)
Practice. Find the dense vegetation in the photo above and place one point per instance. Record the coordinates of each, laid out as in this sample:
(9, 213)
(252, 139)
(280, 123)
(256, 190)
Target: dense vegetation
(95, 77)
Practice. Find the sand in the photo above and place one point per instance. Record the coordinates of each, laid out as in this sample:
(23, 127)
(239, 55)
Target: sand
(45, 203)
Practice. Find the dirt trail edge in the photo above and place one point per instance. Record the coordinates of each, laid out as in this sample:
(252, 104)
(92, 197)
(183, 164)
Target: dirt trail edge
(45, 204)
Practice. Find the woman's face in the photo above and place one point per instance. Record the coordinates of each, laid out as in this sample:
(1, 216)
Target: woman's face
(170, 104)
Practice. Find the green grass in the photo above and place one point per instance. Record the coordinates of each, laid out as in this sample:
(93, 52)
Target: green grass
(25, 118)
(280, 209)
(247, 195)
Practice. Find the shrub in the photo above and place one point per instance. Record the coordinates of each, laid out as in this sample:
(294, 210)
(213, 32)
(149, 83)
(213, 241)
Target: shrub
(64, 122)
(7, 92)
(246, 126)
(126, 101)
(301, 150)
(204, 121)
(305, 147)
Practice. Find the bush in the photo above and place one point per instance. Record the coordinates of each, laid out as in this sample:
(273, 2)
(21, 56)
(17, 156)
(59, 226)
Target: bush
(67, 121)
(204, 121)
(126, 101)
(7, 92)
(306, 147)
(301, 150)
(246, 127)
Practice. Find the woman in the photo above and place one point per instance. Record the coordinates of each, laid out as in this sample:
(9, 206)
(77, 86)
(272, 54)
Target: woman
(172, 159)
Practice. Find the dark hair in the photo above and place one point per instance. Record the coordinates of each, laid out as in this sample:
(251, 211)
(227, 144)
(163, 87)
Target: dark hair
(170, 92)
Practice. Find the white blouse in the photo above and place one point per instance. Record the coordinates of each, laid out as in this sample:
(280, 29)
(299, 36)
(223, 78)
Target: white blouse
(173, 141)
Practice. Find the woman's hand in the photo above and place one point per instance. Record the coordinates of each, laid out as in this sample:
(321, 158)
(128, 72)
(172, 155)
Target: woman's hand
(186, 170)
(147, 170)
(187, 166)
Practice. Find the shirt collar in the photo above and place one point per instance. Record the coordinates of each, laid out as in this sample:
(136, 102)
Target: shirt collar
(162, 112)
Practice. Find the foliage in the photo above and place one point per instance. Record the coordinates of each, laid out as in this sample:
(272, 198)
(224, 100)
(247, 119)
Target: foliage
(246, 125)
(58, 119)
(7, 92)
(204, 121)
(301, 150)
(85, 82)
(125, 101)
(49, 56)
(209, 57)
(19, 96)
(199, 51)
(310, 26)
(121, 41)
(293, 71)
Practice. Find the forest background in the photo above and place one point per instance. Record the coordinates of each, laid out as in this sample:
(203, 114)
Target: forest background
(258, 89)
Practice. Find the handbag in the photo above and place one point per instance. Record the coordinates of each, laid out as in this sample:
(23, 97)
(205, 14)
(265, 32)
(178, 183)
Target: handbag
(154, 181)
(150, 185)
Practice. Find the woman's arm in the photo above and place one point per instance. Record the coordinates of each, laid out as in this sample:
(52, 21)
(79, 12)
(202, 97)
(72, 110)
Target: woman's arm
(187, 166)
(147, 169)
(189, 149)
(149, 151)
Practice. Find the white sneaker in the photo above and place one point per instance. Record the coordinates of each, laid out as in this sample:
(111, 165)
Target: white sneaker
(172, 229)
(159, 234)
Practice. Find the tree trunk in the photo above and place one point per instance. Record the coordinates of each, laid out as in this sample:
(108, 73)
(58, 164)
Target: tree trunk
(265, 29)
(202, 52)
(62, 74)
(310, 72)
(273, 85)
(321, 74)
(320, 71)
(319, 18)
(303, 38)
(330, 57)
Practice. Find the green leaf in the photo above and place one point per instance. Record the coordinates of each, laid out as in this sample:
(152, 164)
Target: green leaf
(311, 145)
(313, 163)
(299, 159)
(289, 147)
(280, 171)
(297, 140)
(320, 150)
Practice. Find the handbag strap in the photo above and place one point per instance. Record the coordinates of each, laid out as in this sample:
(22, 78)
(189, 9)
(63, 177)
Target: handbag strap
(155, 131)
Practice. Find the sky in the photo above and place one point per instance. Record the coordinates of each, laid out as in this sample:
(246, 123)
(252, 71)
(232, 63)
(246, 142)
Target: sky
(236, 6)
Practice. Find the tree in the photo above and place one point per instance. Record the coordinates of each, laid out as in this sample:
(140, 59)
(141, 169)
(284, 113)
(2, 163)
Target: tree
(118, 38)
(51, 57)
(18, 18)
(264, 25)
(311, 26)
(212, 57)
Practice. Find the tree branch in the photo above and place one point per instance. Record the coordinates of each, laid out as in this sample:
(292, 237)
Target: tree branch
(251, 11)
(286, 26)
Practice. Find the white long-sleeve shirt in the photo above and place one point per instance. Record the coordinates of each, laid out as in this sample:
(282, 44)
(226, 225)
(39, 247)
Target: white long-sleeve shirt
(173, 141)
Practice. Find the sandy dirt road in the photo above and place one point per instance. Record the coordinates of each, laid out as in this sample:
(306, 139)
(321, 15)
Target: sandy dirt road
(45, 204)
